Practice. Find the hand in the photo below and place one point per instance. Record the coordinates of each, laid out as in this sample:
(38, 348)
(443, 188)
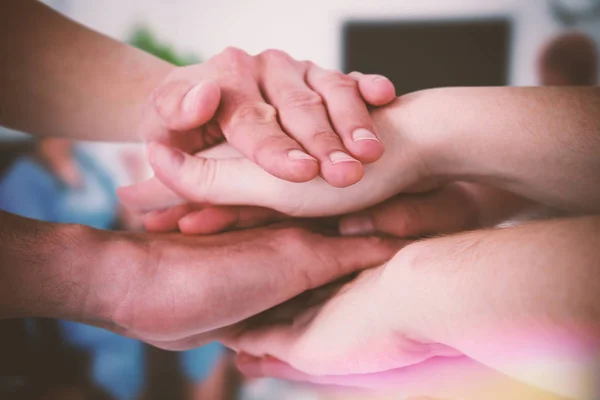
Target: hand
(438, 377)
(222, 177)
(291, 118)
(452, 208)
(57, 155)
(455, 207)
(172, 290)
(351, 331)
(486, 294)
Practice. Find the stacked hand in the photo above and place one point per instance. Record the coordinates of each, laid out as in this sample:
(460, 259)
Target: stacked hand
(354, 333)
(291, 118)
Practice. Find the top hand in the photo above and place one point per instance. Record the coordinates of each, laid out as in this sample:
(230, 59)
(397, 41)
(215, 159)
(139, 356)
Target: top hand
(223, 177)
(289, 117)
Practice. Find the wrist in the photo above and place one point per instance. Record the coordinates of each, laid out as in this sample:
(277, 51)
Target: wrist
(46, 268)
(152, 74)
(418, 135)
(119, 259)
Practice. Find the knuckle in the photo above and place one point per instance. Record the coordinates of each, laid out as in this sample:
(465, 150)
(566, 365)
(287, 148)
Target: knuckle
(257, 113)
(200, 178)
(326, 136)
(234, 61)
(233, 54)
(303, 99)
(336, 80)
(264, 148)
(275, 55)
(296, 236)
(307, 64)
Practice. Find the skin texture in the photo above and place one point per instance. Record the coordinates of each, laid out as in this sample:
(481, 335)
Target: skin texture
(79, 84)
(168, 290)
(485, 295)
(292, 118)
(517, 152)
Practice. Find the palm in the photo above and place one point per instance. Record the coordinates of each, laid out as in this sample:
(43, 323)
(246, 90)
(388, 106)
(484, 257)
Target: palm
(349, 333)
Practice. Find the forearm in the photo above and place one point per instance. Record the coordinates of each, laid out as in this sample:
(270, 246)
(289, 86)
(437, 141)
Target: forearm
(541, 143)
(60, 78)
(47, 269)
(521, 300)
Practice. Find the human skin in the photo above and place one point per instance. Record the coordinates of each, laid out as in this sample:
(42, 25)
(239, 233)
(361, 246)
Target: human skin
(522, 301)
(540, 144)
(167, 289)
(80, 84)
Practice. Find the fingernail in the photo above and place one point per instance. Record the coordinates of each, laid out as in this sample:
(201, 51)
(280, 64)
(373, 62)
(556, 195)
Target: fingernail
(161, 155)
(363, 134)
(190, 100)
(339, 157)
(356, 226)
(379, 78)
(300, 155)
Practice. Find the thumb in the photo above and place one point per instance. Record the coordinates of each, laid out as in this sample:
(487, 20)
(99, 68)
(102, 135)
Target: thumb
(179, 106)
(182, 105)
(231, 181)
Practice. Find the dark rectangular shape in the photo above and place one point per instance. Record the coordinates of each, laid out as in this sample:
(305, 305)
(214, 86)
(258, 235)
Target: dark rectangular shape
(436, 53)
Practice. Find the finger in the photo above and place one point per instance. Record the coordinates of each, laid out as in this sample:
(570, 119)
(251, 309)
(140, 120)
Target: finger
(347, 111)
(445, 210)
(251, 126)
(166, 220)
(456, 377)
(147, 196)
(303, 116)
(377, 90)
(217, 219)
(236, 181)
(182, 105)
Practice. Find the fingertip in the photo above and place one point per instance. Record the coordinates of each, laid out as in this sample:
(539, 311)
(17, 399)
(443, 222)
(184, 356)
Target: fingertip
(182, 106)
(342, 173)
(201, 102)
(208, 221)
(377, 90)
(366, 150)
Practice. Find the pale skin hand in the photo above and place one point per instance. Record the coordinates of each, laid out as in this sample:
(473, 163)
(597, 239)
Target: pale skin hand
(223, 177)
(292, 118)
(452, 208)
(539, 143)
(512, 316)
(168, 290)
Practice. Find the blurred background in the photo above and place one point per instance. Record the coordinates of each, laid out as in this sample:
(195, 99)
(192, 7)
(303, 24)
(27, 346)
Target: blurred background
(429, 43)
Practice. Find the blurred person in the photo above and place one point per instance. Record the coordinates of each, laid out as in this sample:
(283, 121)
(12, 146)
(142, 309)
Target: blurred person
(60, 183)
(570, 59)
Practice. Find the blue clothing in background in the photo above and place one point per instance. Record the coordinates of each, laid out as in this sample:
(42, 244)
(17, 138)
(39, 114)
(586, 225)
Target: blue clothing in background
(29, 190)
